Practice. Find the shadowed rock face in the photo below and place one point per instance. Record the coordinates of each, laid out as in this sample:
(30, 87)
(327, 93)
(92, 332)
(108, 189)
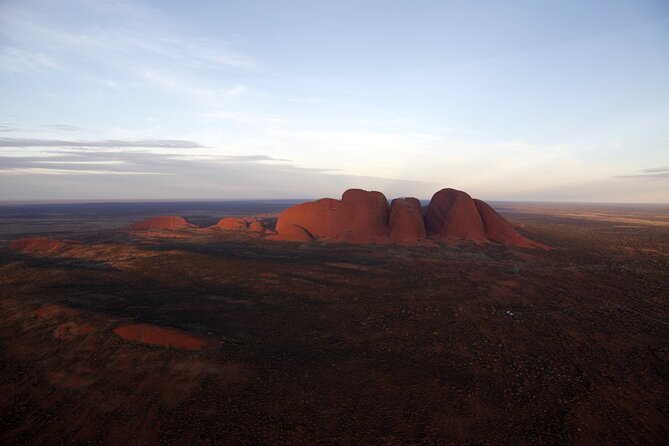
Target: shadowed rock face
(162, 222)
(359, 217)
(452, 215)
(36, 244)
(405, 222)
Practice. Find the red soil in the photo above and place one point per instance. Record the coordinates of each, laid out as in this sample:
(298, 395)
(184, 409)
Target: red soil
(36, 244)
(162, 222)
(71, 329)
(162, 336)
(52, 310)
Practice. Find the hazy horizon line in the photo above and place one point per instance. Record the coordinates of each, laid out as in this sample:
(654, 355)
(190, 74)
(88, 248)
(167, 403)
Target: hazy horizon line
(210, 200)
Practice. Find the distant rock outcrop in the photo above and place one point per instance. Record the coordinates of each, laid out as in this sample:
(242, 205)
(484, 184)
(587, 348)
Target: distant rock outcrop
(248, 224)
(162, 222)
(36, 244)
(360, 216)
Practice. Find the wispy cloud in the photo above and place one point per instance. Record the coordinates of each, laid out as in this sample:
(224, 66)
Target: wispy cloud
(244, 118)
(16, 60)
(46, 171)
(66, 127)
(151, 175)
(651, 174)
(133, 44)
(7, 128)
(656, 170)
(108, 143)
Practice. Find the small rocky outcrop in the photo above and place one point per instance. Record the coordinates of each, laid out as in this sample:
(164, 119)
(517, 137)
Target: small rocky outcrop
(246, 224)
(162, 222)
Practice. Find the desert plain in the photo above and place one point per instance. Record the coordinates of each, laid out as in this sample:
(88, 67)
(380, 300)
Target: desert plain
(205, 336)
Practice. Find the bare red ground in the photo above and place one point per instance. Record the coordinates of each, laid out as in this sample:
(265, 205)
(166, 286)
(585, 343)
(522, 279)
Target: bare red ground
(36, 244)
(72, 329)
(343, 344)
(51, 310)
(155, 335)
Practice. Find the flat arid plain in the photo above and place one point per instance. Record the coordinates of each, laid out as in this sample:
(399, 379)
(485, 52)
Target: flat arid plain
(203, 336)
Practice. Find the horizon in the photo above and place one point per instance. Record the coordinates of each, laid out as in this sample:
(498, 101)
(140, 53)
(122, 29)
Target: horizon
(556, 102)
(297, 200)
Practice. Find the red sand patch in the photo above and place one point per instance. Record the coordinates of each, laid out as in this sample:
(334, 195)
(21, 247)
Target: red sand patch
(52, 310)
(155, 335)
(36, 244)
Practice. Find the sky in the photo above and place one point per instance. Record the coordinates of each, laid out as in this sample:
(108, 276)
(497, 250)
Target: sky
(516, 100)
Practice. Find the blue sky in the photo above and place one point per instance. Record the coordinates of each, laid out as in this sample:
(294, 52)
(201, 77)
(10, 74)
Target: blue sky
(519, 100)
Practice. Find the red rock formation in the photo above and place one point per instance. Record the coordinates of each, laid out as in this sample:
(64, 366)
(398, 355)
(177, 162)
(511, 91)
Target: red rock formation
(359, 217)
(162, 336)
(249, 224)
(363, 217)
(254, 225)
(162, 222)
(369, 219)
(36, 244)
(498, 229)
(231, 224)
(406, 223)
(452, 215)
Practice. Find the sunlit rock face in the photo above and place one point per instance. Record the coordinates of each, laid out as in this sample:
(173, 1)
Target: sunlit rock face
(359, 217)
(249, 224)
(363, 217)
(162, 222)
